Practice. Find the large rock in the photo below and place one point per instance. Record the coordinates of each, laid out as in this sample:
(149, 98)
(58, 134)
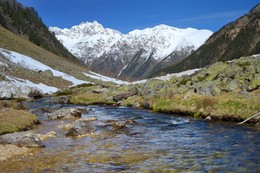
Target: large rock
(6, 95)
(81, 127)
(151, 87)
(213, 71)
(48, 74)
(125, 95)
(233, 85)
(9, 90)
(204, 87)
(34, 93)
(66, 113)
(23, 139)
(60, 100)
(100, 90)
(255, 83)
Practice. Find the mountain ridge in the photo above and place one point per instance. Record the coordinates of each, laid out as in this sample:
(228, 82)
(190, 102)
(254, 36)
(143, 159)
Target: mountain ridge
(102, 48)
(238, 38)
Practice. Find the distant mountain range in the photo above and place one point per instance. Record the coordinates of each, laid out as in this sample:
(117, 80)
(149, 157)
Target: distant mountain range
(236, 39)
(132, 56)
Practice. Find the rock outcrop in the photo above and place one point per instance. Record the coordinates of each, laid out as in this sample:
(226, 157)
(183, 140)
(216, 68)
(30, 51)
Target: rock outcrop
(60, 100)
(125, 95)
(23, 139)
(66, 113)
(81, 127)
(10, 91)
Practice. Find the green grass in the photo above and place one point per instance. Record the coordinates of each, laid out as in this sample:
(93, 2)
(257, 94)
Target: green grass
(224, 107)
(16, 120)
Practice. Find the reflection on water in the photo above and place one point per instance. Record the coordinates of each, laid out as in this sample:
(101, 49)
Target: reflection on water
(157, 143)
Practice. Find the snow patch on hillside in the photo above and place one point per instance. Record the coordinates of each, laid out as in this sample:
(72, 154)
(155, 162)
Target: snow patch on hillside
(21, 83)
(183, 73)
(104, 78)
(32, 64)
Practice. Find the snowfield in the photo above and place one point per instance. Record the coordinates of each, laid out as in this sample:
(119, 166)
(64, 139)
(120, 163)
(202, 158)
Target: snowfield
(121, 82)
(32, 64)
(15, 88)
(105, 78)
(21, 83)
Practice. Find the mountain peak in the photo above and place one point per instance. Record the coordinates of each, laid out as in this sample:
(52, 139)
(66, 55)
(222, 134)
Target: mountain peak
(111, 52)
(255, 9)
(86, 23)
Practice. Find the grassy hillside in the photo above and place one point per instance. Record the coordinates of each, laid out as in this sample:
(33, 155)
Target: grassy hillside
(25, 22)
(236, 39)
(11, 41)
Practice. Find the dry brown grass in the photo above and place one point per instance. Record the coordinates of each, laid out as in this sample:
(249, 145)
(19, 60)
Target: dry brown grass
(12, 120)
(227, 106)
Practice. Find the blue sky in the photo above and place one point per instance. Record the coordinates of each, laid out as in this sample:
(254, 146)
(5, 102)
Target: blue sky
(127, 15)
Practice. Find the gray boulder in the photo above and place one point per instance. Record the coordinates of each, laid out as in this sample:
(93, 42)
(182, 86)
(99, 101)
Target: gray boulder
(255, 83)
(22, 139)
(6, 95)
(48, 74)
(35, 94)
(80, 127)
(204, 88)
(125, 95)
(100, 90)
(233, 85)
(66, 113)
(9, 90)
(60, 100)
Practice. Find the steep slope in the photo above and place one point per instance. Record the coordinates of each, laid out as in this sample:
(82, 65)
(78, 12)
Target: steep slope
(23, 63)
(24, 21)
(130, 56)
(236, 39)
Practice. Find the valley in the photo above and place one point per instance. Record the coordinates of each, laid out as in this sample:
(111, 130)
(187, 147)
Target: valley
(159, 99)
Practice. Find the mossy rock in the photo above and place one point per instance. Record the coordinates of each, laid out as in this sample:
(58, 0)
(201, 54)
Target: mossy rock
(232, 70)
(213, 71)
(216, 91)
(255, 83)
(184, 80)
(233, 85)
(243, 62)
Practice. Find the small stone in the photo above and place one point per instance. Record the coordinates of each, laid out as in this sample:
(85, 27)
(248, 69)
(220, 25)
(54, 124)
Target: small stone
(60, 100)
(81, 128)
(136, 105)
(100, 90)
(208, 118)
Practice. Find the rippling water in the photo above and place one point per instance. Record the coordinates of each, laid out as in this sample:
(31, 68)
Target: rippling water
(157, 143)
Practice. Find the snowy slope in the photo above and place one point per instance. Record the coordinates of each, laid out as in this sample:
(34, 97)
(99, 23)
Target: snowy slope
(105, 78)
(16, 83)
(32, 64)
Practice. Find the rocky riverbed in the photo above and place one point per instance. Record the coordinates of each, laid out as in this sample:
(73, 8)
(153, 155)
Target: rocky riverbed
(121, 139)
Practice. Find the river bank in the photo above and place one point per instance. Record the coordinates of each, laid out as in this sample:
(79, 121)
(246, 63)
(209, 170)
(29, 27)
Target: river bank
(224, 91)
(124, 139)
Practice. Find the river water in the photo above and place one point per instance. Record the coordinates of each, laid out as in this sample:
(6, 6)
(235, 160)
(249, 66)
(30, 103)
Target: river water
(157, 143)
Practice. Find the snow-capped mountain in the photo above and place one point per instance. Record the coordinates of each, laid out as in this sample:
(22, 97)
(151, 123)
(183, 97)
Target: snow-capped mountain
(131, 56)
